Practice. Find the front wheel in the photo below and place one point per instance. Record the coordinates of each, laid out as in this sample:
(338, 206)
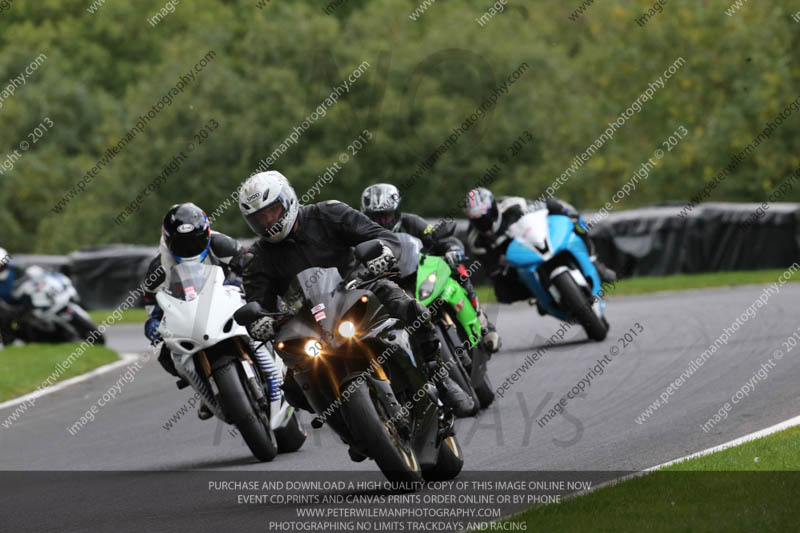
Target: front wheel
(575, 302)
(378, 437)
(448, 464)
(85, 328)
(292, 436)
(251, 423)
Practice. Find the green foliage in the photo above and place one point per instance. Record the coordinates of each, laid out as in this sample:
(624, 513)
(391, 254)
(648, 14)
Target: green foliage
(274, 66)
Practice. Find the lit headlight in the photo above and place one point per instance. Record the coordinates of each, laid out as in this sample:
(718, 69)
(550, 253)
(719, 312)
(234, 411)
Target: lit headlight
(427, 286)
(313, 348)
(347, 329)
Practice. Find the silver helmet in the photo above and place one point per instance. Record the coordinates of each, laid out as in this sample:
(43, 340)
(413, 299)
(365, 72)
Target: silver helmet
(480, 207)
(381, 203)
(269, 205)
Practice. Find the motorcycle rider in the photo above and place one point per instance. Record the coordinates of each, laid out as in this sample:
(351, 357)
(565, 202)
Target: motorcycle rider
(490, 218)
(10, 305)
(293, 238)
(381, 203)
(186, 237)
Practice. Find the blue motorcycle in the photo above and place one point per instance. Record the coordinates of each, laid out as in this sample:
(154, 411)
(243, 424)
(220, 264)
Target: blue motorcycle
(552, 261)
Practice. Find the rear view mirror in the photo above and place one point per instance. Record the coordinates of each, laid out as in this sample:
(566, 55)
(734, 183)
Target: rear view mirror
(369, 250)
(249, 313)
(444, 229)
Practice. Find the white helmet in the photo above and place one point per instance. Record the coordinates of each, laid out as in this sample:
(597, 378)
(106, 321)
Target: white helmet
(5, 259)
(269, 205)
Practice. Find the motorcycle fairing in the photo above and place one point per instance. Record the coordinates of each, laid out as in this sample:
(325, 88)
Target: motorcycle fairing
(539, 238)
(206, 320)
(317, 287)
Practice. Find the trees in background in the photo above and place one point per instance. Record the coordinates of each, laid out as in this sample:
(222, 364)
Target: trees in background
(275, 66)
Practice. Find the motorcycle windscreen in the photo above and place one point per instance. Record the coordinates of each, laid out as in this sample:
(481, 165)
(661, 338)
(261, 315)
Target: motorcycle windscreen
(530, 245)
(313, 283)
(317, 289)
(409, 257)
(186, 280)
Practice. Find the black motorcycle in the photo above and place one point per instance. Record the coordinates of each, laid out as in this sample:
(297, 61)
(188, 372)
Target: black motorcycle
(359, 373)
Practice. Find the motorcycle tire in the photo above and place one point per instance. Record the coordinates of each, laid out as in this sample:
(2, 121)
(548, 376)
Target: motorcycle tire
(448, 464)
(575, 302)
(291, 437)
(237, 404)
(368, 423)
(484, 392)
(86, 329)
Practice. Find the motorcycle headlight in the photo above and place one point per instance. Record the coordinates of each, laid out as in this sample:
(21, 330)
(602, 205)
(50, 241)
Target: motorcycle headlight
(347, 329)
(313, 348)
(426, 289)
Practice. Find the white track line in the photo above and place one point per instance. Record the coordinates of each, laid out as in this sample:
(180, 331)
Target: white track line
(125, 358)
(780, 426)
(786, 424)
(741, 440)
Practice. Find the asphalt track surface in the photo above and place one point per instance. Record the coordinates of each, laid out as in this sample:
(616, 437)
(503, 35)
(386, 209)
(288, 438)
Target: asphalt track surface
(599, 431)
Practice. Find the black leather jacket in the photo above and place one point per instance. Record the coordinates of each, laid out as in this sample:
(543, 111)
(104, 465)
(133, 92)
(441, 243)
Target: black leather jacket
(325, 236)
(418, 227)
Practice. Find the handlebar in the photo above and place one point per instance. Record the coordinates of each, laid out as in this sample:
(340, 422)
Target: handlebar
(361, 281)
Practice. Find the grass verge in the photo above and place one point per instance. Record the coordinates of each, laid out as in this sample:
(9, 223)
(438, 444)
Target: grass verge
(133, 315)
(23, 368)
(744, 488)
(678, 282)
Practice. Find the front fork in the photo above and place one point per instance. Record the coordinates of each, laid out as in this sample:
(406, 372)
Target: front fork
(264, 361)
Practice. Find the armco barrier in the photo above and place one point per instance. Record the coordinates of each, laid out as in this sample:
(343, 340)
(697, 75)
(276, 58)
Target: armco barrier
(655, 241)
(638, 242)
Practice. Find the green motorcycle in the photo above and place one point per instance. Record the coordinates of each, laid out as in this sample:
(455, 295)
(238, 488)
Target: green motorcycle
(454, 316)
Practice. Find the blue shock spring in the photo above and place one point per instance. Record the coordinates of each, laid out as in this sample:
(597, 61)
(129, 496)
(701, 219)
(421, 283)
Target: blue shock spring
(273, 376)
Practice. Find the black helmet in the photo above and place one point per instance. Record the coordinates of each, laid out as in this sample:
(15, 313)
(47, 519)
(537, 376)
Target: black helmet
(187, 232)
(481, 210)
(381, 203)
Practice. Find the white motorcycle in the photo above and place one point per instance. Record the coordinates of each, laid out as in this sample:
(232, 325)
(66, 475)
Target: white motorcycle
(238, 381)
(52, 310)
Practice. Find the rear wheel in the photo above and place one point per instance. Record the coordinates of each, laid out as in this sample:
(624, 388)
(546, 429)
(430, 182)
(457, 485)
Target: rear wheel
(291, 437)
(485, 392)
(575, 301)
(378, 438)
(448, 464)
(252, 423)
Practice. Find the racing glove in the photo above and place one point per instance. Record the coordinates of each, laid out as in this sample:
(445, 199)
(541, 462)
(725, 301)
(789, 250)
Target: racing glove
(262, 329)
(151, 329)
(455, 257)
(382, 263)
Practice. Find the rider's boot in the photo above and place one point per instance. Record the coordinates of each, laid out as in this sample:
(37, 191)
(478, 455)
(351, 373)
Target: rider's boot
(452, 396)
(491, 338)
(606, 274)
(488, 331)
(203, 412)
